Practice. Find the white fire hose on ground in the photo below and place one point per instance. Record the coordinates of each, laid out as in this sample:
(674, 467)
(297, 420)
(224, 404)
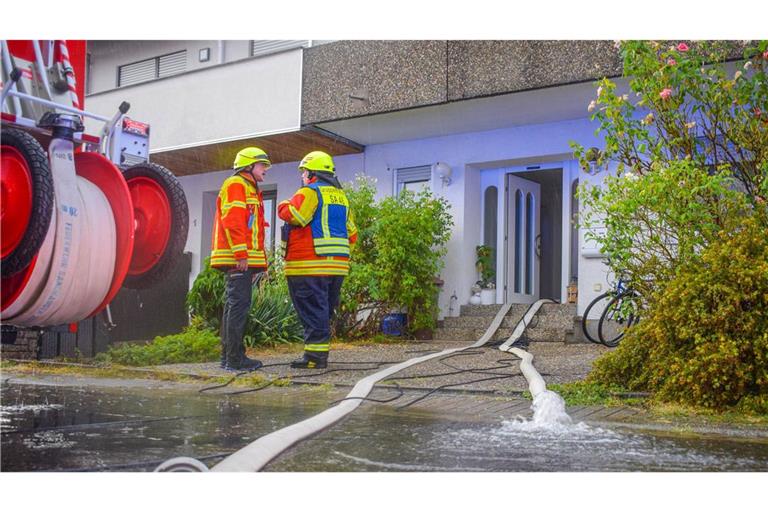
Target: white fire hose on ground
(260, 452)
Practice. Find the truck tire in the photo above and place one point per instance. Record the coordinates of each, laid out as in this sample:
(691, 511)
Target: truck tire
(162, 221)
(27, 199)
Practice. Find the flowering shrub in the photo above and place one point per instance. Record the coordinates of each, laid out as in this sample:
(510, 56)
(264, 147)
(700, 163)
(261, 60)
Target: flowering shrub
(684, 217)
(691, 137)
(704, 340)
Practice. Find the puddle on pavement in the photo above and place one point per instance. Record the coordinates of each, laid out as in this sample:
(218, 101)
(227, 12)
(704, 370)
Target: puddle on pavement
(70, 428)
(83, 428)
(380, 440)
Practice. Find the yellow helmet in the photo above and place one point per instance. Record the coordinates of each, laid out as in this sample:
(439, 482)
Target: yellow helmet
(251, 155)
(318, 161)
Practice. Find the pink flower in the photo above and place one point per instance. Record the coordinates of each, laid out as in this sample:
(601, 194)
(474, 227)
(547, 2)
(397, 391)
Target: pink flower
(758, 112)
(682, 47)
(671, 61)
(665, 94)
(765, 54)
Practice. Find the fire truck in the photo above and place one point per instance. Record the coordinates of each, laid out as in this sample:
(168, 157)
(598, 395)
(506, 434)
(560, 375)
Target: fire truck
(82, 214)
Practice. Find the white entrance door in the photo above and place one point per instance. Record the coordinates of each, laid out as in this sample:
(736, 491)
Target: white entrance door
(523, 240)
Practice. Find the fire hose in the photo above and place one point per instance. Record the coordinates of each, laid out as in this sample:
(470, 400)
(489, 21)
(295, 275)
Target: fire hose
(74, 269)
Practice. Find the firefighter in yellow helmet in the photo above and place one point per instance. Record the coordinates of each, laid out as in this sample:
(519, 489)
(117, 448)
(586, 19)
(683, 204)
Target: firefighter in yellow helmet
(238, 250)
(319, 231)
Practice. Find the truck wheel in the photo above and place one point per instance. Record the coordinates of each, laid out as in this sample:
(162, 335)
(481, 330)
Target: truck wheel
(27, 199)
(161, 221)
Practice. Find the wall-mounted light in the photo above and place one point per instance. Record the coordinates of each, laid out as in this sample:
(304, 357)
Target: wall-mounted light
(443, 172)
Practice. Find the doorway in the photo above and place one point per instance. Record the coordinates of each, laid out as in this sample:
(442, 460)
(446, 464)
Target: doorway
(534, 235)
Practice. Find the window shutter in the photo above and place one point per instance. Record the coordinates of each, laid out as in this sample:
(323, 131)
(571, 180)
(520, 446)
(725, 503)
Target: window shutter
(422, 173)
(136, 72)
(263, 47)
(172, 64)
(150, 69)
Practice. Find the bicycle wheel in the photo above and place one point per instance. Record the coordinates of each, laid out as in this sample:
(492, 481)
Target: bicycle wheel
(620, 314)
(591, 317)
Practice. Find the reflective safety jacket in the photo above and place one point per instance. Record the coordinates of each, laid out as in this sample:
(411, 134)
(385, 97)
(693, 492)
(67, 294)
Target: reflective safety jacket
(322, 231)
(238, 230)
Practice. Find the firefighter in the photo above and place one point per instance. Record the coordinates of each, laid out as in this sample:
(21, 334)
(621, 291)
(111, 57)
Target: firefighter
(238, 250)
(319, 231)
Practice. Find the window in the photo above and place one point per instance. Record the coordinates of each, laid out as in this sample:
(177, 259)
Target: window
(264, 47)
(414, 179)
(490, 223)
(151, 69)
(270, 199)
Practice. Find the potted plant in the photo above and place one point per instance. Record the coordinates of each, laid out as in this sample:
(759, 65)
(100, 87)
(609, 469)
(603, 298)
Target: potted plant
(487, 282)
(475, 298)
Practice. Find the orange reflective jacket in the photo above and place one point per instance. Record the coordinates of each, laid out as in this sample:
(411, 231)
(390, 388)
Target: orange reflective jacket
(238, 231)
(302, 258)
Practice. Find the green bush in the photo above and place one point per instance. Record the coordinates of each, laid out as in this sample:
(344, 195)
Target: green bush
(704, 340)
(411, 234)
(206, 298)
(193, 345)
(271, 319)
(689, 141)
(401, 243)
(360, 293)
(659, 221)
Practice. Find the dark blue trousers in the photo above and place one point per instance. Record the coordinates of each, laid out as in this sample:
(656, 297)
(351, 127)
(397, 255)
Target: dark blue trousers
(315, 299)
(239, 289)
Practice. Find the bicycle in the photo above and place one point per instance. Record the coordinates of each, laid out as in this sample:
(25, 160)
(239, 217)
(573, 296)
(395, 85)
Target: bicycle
(621, 311)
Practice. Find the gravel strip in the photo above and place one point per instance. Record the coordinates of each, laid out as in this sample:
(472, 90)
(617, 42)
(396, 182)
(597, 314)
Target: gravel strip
(557, 362)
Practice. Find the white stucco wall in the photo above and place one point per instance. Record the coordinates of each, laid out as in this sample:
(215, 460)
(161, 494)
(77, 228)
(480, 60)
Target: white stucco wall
(472, 157)
(107, 56)
(467, 154)
(248, 98)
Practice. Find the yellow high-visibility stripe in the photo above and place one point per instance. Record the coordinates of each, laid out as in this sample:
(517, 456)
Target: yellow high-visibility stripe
(317, 268)
(331, 241)
(297, 215)
(226, 252)
(292, 272)
(316, 347)
(326, 227)
(319, 261)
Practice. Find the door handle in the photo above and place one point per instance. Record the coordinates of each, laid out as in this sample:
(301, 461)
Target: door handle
(537, 243)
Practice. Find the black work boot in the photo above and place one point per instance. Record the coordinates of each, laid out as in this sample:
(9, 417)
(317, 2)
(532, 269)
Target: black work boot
(245, 365)
(311, 360)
